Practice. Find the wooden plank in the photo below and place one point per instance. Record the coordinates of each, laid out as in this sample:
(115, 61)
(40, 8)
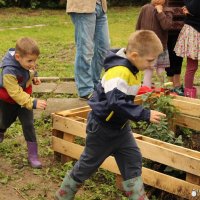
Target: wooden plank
(188, 122)
(187, 99)
(81, 112)
(176, 148)
(74, 125)
(170, 157)
(188, 108)
(69, 138)
(69, 125)
(150, 177)
(59, 134)
(193, 179)
(77, 128)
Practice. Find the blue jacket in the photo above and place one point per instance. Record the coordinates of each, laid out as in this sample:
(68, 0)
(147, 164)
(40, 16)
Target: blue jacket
(112, 102)
(16, 82)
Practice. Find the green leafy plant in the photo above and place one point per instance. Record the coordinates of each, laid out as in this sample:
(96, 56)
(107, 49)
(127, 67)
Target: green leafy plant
(161, 131)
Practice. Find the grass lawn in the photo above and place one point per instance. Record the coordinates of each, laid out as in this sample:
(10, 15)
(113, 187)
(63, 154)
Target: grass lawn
(56, 37)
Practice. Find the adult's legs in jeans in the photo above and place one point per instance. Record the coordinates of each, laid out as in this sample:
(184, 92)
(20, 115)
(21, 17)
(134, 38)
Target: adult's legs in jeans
(191, 68)
(84, 24)
(101, 44)
(91, 37)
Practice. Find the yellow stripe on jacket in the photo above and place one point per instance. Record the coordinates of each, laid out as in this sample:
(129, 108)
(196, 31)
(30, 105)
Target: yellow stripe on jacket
(123, 79)
(16, 92)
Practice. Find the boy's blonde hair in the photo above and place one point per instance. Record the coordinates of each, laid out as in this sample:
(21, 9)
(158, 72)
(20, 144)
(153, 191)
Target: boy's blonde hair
(26, 46)
(144, 42)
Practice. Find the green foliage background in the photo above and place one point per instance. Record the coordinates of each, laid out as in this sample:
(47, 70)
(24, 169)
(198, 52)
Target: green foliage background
(61, 3)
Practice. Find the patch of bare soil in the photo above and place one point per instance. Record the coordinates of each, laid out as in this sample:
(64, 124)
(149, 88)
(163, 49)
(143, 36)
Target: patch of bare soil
(18, 181)
(26, 183)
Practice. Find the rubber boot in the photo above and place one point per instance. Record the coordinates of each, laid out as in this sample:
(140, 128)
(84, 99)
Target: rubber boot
(33, 155)
(68, 189)
(1, 137)
(134, 189)
(190, 92)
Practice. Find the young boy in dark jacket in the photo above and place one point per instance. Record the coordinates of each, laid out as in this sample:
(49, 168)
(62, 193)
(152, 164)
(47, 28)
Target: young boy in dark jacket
(18, 72)
(108, 130)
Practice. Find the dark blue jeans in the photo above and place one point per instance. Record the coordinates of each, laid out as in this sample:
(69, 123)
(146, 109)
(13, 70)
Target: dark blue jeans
(102, 142)
(8, 115)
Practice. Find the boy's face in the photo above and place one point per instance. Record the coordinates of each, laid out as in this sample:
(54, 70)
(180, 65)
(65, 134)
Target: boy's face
(28, 61)
(142, 62)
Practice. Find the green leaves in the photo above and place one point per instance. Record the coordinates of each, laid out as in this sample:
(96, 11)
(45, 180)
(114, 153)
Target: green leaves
(4, 178)
(161, 131)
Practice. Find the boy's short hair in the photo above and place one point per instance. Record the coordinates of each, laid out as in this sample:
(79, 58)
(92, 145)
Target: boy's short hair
(26, 46)
(144, 42)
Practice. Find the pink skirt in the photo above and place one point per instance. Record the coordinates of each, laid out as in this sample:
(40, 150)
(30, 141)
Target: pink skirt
(188, 43)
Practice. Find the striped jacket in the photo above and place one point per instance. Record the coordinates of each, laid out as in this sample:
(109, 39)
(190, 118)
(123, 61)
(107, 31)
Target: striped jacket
(112, 102)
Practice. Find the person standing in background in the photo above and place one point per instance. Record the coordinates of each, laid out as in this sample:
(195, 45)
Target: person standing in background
(174, 71)
(92, 42)
(156, 17)
(188, 44)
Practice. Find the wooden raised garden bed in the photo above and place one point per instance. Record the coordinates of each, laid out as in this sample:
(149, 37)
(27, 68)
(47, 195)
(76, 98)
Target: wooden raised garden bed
(72, 123)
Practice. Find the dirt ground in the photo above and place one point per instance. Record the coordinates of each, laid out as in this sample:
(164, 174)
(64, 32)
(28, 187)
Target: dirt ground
(18, 181)
(25, 183)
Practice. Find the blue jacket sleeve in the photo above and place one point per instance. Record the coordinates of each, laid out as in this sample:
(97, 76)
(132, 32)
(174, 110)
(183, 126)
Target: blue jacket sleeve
(122, 105)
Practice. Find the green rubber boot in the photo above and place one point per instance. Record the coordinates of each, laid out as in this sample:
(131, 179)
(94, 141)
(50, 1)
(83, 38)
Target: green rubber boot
(68, 189)
(134, 189)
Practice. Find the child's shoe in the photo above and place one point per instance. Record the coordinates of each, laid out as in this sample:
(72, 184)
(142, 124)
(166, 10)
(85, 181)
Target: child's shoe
(134, 189)
(179, 91)
(33, 155)
(68, 189)
(190, 92)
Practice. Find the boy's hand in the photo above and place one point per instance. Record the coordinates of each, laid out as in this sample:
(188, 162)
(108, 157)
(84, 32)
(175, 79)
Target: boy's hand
(41, 104)
(36, 81)
(156, 116)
